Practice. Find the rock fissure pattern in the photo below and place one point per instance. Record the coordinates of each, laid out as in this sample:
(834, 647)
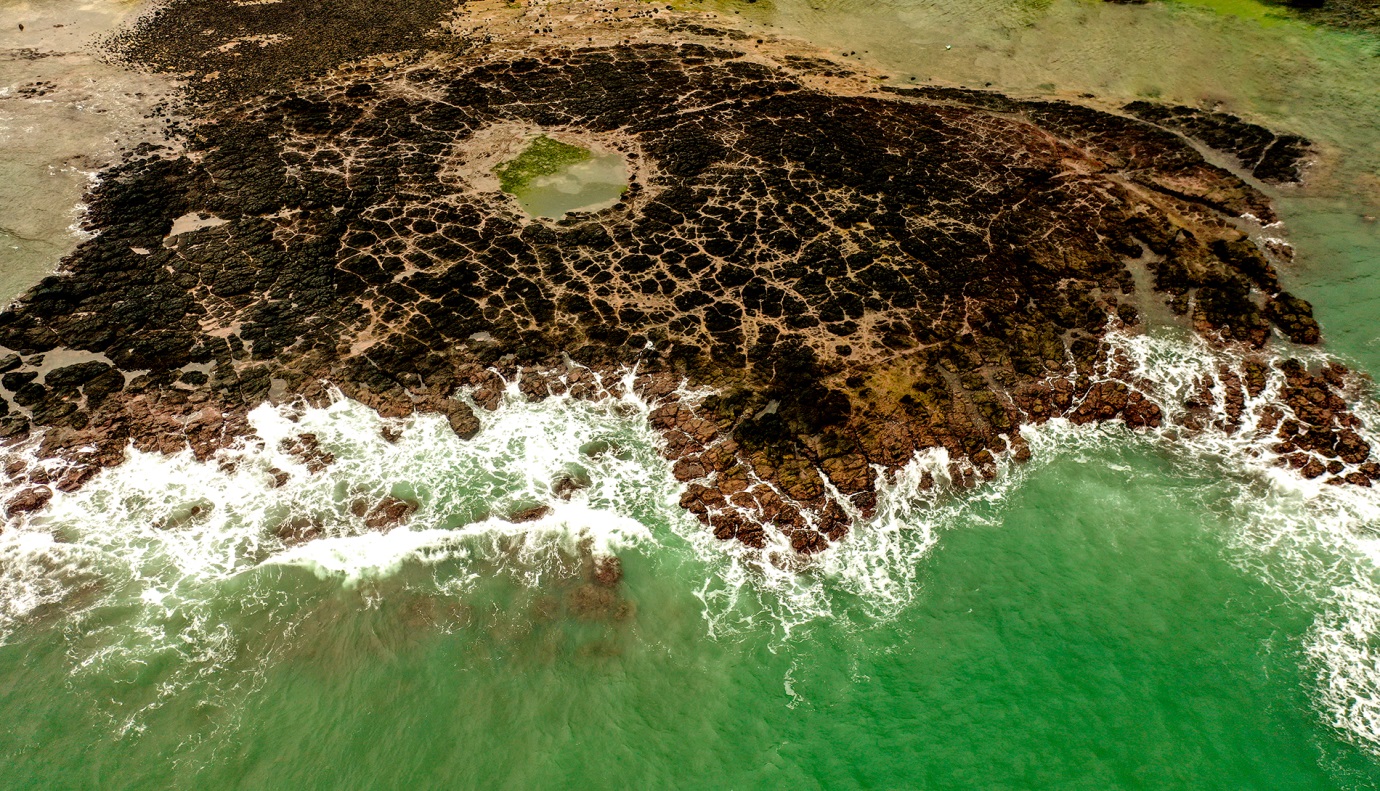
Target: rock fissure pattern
(857, 275)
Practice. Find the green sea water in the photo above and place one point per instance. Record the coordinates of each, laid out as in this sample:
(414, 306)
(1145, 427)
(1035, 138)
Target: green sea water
(1125, 612)
(1121, 613)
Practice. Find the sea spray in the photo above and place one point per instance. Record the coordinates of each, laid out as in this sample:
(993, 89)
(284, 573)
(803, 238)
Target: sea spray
(1315, 541)
(154, 561)
(151, 562)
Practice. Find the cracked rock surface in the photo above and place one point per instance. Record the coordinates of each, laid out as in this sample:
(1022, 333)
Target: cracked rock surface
(855, 274)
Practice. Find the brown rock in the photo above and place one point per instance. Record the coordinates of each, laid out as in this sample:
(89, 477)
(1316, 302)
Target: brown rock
(389, 513)
(849, 474)
(1312, 469)
(834, 523)
(462, 419)
(752, 534)
(866, 502)
(726, 524)
(73, 477)
(808, 542)
(28, 499)
(733, 480)
(688, 470)
(608, 571)
(529, 514)
(699, 499)
(488, 398)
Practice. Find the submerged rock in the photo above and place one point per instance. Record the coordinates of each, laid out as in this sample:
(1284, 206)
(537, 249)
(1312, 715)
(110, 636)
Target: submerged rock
(307, 449)
(598, 603)
(608, 571)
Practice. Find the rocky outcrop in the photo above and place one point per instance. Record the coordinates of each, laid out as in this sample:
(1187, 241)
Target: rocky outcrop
(28, 499)
(1272, 158)
(1360, 15)
(857, 274)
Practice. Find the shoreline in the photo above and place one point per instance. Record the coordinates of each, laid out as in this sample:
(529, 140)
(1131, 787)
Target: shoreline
(863, 315)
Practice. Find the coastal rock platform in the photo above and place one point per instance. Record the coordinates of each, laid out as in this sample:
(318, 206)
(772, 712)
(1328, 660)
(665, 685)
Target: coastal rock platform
(811, 276)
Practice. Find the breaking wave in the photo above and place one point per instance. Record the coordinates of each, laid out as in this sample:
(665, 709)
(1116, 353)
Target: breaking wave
(159, 559)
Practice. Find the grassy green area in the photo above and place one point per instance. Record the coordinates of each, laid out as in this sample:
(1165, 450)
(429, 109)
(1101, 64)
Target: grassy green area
(544, 157)
(1247, 9)
(1354, 16)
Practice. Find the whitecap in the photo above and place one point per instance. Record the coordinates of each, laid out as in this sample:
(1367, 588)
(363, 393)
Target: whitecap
(169, 536)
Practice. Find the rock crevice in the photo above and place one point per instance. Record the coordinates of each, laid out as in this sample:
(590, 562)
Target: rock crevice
(856, 274)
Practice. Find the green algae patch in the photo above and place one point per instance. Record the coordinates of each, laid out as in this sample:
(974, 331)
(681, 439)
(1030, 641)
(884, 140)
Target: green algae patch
(551, 178)
(1262, 13)
(544, 157)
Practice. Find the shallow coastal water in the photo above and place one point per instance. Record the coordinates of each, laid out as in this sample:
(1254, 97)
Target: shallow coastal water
(1126, 611)
(1121, 613)
(64, 115)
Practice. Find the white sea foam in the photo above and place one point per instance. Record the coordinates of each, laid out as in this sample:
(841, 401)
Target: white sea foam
(1315, 541)
(151, 562)
(172, 539)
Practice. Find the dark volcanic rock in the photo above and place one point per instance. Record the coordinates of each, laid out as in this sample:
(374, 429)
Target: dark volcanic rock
(1274, 159)
(1345, 14)
(1294, 317)
(857, 275)
(244, 48)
